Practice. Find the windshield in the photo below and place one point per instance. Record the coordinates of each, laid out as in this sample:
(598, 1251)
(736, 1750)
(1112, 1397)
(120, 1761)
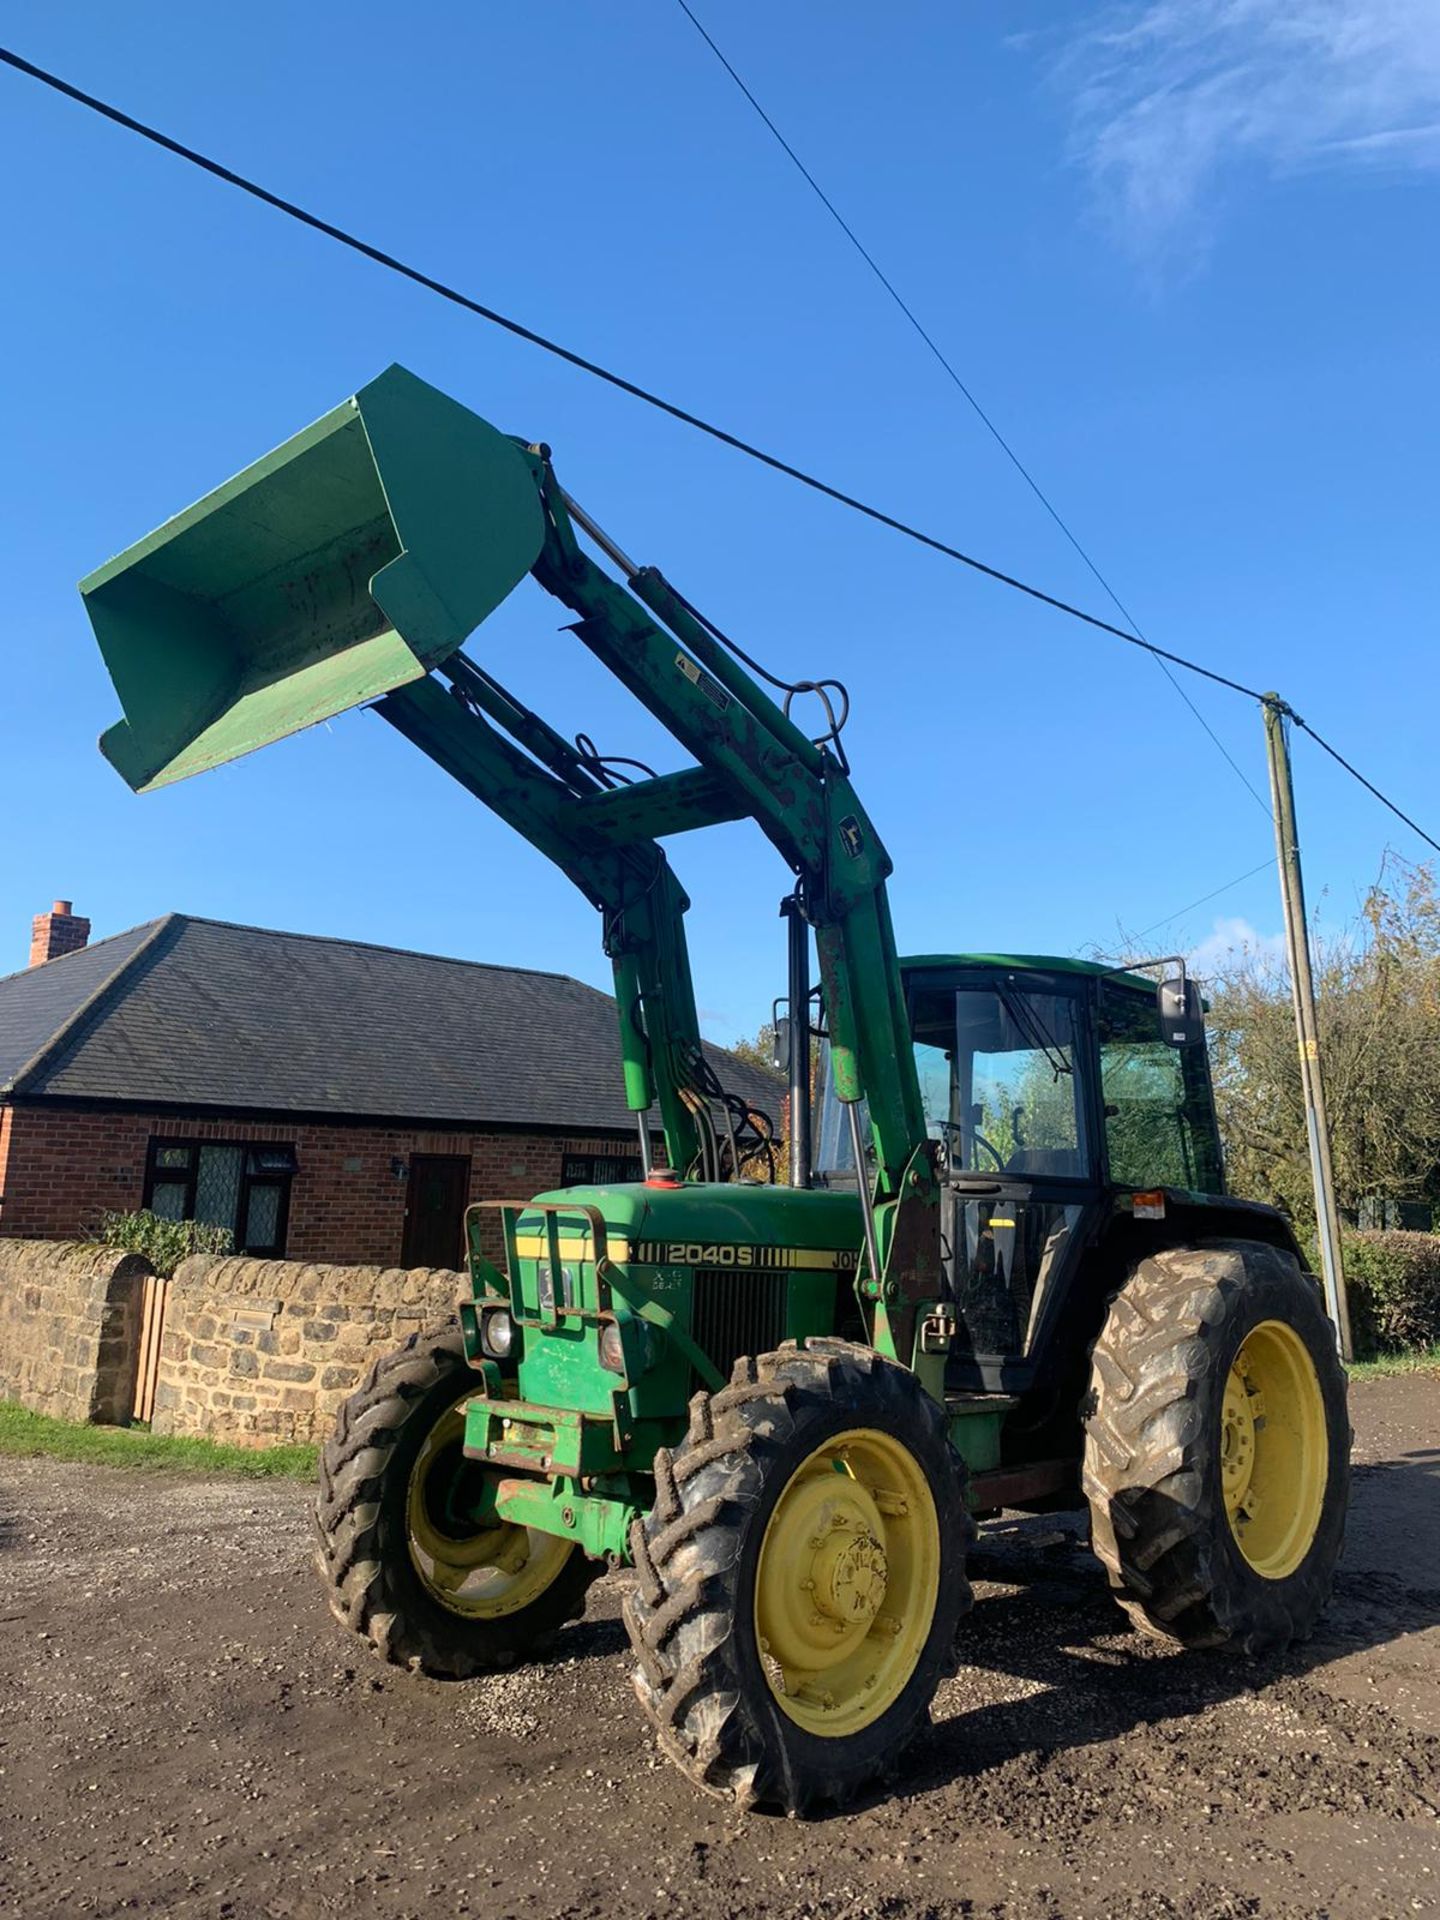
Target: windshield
(996, 1066)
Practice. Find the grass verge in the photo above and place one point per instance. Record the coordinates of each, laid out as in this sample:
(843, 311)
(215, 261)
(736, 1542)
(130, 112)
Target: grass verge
(24, 1432)
(1417, 1360)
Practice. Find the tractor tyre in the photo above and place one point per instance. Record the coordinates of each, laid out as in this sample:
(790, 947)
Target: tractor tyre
(801, 1577)
(402, 1565)
(1217, 1450)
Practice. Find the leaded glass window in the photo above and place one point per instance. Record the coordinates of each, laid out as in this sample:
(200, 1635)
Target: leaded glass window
(217, 1185)
(244, 1188)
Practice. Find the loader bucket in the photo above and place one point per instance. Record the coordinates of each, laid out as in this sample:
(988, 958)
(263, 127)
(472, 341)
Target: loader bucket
(352, 559)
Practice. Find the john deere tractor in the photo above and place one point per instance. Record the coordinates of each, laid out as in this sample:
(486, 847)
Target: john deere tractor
(1007, 1276)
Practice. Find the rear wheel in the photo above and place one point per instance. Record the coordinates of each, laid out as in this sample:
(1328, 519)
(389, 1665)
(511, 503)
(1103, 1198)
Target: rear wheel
(403, 1558)
(1217, 1455)
(801, 1577)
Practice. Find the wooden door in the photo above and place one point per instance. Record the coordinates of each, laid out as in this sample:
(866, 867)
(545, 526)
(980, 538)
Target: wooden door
(438, 1188)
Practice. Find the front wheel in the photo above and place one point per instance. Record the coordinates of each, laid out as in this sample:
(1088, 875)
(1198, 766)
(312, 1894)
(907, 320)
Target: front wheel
(404, 1561)
(801, 1577)
(1217, 1449)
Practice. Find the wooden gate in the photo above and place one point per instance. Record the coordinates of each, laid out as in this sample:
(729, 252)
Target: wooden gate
(147, 1360)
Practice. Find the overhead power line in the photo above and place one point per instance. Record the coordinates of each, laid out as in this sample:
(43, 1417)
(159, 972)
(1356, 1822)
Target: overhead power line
(1356, 774)
(777, 465)
(968, 393)
(567, 354)
(1205, 899)
(1133, 939)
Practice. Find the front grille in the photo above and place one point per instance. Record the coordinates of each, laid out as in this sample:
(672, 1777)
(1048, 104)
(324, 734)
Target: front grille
(737, 1313)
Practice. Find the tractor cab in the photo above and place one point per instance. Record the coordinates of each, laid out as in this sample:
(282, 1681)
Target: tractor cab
(1057, 1093)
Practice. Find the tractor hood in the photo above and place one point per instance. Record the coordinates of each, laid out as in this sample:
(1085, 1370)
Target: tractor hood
(763, 1225)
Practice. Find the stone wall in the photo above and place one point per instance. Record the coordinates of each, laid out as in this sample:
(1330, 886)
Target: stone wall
(69, 1326)
(262, 1352)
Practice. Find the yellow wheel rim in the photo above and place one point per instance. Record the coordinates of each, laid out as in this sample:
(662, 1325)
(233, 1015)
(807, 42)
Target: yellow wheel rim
(1274, 1449)
(847, 1581)
(482, 1573)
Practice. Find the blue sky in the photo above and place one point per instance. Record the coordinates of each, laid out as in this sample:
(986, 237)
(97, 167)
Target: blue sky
(1184, 254)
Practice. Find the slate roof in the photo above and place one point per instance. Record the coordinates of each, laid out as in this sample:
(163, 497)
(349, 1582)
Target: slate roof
(42, 1002)
(202, 1014)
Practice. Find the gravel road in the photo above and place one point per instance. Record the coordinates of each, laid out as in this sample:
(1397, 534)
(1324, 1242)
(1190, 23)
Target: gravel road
(185, 1731)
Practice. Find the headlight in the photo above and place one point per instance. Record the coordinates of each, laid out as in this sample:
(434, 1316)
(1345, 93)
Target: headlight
(649, 1340)
(497, 1333)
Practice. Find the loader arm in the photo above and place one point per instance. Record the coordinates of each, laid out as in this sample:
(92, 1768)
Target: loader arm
(760, 765)
(640, 900)
(346, 568)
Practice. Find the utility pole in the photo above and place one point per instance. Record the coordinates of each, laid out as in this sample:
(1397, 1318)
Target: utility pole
(1307, 1031)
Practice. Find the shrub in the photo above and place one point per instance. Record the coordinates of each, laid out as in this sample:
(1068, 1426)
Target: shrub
(1394, 1288)
(164, 1243)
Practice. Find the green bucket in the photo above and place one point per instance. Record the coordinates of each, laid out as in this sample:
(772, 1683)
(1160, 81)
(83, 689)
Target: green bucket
(350, 561)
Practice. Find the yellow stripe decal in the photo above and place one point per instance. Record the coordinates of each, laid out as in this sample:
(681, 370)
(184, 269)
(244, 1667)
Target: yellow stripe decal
(537, 1247)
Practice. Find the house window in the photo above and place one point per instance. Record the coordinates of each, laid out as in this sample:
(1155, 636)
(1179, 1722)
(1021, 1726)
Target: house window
(599, 1169)
(244, 1188)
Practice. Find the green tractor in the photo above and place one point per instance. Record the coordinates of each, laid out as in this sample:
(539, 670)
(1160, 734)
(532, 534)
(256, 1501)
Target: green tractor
(1004, 1272)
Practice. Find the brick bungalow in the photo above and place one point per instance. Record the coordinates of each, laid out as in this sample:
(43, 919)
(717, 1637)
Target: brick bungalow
(324, 1099)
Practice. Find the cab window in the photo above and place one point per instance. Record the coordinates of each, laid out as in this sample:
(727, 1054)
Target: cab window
(1159, 1116)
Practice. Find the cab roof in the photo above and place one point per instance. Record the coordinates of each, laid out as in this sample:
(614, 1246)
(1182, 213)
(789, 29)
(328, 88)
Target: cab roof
(1025, 963)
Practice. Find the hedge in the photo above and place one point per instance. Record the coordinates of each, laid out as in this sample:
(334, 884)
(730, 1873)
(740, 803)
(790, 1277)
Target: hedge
(1394, 1287)
(164, 1243)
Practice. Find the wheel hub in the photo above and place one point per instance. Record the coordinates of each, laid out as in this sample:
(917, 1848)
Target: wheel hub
(1274, 1451)
(825, 1584)
(849, 1571)
(1239, 1419)
(846, 1582)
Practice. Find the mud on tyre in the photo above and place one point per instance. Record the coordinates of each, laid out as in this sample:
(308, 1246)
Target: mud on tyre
(1217, 1449)
(402, 1563)
(800, 1578)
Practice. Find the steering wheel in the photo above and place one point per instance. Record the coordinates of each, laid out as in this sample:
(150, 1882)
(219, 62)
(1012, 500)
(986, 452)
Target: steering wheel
(990, 1148)
(952, 1133)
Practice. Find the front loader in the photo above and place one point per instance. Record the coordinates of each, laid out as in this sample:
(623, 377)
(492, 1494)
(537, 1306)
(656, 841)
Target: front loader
(1007, 1277)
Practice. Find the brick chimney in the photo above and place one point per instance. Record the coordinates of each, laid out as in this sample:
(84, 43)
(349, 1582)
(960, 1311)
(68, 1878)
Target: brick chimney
(59, 931)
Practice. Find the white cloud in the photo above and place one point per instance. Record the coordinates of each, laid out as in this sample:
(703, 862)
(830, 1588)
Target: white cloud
(1172, 98)
(1231, 938)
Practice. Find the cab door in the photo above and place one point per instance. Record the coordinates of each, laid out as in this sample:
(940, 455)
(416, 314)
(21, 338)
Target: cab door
(1003, 1063)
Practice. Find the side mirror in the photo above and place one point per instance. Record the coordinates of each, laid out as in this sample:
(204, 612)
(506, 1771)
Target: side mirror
(1182, 1012)
(780, 1044)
